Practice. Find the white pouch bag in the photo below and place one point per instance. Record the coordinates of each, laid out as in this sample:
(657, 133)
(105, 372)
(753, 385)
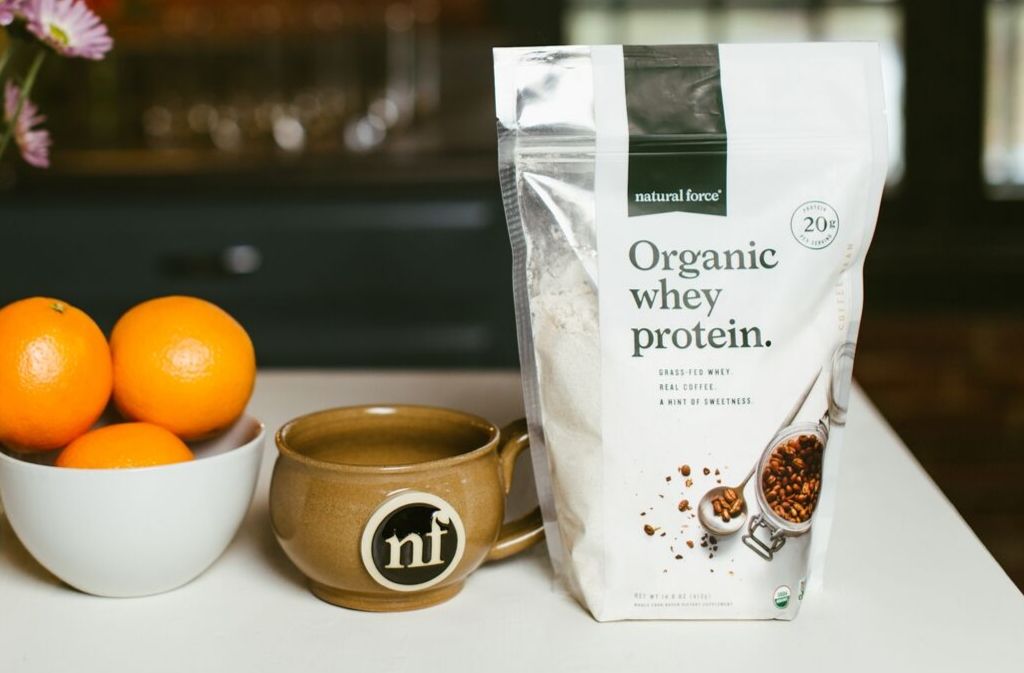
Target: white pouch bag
(689, 225)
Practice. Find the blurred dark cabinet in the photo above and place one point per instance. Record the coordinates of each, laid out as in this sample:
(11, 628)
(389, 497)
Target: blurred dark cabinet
(323, 169)
(359, 280)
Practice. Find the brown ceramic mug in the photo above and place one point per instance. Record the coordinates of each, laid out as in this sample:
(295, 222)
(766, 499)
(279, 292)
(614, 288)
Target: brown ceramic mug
(391, 507)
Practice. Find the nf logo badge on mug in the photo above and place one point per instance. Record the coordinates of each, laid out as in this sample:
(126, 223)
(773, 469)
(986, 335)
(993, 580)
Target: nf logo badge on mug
(413, 541)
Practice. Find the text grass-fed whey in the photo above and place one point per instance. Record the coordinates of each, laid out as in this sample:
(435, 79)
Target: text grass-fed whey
(689, 225)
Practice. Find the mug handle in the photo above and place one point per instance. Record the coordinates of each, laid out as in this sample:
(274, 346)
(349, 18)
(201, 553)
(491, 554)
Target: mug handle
(528, 530)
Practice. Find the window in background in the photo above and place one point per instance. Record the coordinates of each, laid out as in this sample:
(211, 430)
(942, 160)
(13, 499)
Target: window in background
(662, 21)
(1003, 152)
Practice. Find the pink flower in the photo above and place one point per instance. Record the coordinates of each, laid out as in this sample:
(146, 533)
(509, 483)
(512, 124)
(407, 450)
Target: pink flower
(10, 10)
(69, 27)
(33, 143)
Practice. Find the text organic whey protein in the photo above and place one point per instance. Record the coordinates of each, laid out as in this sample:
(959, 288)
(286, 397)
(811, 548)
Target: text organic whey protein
(689, 225)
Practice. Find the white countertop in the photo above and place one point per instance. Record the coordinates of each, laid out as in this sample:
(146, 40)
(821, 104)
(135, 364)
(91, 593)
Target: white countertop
(909, 586)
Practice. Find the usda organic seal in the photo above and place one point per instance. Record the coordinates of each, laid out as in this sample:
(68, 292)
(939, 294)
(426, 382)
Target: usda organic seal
(781, 597)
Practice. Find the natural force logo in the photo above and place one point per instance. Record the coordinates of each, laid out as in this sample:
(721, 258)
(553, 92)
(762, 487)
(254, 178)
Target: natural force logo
(678, 196)
(413, 541)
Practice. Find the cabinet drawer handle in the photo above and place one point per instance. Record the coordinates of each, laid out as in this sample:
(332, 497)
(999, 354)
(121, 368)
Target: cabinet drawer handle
(243, 259)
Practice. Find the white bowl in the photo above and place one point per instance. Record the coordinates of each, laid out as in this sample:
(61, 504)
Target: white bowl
(137, 531)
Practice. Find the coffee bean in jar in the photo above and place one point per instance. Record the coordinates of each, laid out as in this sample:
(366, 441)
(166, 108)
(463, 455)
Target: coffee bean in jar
(792, 477)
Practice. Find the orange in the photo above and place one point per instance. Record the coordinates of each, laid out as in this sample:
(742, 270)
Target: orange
(182, 363)
(124, 445)
(55, 373)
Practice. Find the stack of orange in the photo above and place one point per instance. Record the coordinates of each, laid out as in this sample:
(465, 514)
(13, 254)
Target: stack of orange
(178, 369)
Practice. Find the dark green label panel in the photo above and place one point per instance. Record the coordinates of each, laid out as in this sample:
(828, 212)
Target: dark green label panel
(677, 135)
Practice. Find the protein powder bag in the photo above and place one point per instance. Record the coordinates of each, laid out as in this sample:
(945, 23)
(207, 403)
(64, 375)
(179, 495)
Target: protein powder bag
(689, 225)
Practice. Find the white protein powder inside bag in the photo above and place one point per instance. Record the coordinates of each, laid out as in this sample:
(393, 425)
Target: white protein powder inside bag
(564, 312)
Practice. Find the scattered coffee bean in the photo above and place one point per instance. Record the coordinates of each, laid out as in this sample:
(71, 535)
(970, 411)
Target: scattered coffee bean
(684, 470)
(649, 529)
(684, 505)
(706, 471)
(689, 543)
(668, 478)
(679, 556)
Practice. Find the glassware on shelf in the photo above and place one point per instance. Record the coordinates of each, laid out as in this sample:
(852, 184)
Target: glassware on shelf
(259, 78)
